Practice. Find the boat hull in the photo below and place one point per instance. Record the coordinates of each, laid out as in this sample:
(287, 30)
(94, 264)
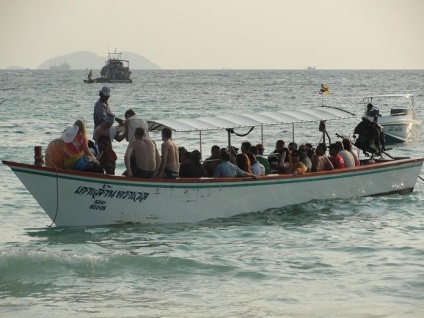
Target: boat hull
(106, 80)
(72, 198)
(401, 132)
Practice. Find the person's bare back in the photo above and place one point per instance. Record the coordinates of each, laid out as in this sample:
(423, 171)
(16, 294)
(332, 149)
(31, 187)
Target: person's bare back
(145, 152)
(146, 158)
(170, 156)
(320, 161)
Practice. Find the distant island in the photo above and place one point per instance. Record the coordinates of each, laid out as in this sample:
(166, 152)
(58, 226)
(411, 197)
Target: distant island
(86, 60)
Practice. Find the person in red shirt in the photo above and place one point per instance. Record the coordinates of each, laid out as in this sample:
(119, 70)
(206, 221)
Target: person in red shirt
(334, 157)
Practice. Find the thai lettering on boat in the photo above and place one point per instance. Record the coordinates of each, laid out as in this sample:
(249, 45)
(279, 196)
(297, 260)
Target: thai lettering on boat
(106, 191)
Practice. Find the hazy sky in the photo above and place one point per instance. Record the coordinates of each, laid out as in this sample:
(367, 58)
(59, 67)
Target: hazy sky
(214, 34)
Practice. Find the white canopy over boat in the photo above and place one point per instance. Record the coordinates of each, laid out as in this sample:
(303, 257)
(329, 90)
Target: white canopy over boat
(251, 119)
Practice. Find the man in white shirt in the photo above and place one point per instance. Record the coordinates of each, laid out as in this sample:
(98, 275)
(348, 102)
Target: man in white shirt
(132, 121)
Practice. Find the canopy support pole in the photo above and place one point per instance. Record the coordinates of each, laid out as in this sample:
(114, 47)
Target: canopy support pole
(200, 140)
(262, 134)
(293, 132)
(229, 143)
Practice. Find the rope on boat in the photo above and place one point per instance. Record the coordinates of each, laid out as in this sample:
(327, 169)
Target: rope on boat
(231, 130)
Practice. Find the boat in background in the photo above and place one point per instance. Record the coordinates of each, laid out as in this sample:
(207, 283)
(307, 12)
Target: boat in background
(396, 114)
(74, 198)
(311, 68)
(115, 70)
(62, 67)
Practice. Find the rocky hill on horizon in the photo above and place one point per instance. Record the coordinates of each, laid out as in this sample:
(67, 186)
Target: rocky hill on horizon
(86, 60)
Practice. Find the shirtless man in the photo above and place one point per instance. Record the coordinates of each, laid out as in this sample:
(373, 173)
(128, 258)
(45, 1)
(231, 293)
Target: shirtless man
(105, 128)
(170, 157)
(147, 158)
(320, 161)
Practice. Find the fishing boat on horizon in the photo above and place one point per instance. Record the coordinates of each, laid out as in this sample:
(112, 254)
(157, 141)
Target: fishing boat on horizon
(115, 70)
(61, 67)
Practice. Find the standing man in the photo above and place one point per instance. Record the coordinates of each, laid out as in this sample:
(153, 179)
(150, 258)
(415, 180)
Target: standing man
(133, 121)
(101, 107)
(170, 158)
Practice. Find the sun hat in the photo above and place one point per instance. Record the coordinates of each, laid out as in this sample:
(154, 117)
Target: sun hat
(70, 133)
(109, 118)
(105, 90)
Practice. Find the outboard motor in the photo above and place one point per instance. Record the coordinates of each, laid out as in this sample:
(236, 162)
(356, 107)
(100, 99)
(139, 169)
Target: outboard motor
(370, 137)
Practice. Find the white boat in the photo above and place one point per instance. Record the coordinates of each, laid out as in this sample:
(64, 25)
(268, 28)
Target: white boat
(72, 198)
(61, 67)
(396, 114)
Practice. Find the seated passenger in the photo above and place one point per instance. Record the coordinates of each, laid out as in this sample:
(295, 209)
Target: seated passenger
(77, 156)
(292, 146)
(243, 162)
(304, 157)
(106, 128)
(105, 154)
(55, 154)
(347, 144)
(245, 146)
(320, 161)
(190, 165)
(275, 156)
(233, 151)
(310, 149)
(295, 166)
(258, 151)
(146, 155)
(255, 166)
(349, 160)
(227, 169)
(210, 163)
(196, 157)
(335, 158)
(181, 153)
(285, 159)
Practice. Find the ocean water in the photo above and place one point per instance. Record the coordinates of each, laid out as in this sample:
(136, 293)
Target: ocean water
(362, 257)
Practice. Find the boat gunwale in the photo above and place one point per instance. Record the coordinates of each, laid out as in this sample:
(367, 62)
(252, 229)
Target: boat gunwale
(204, 181)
